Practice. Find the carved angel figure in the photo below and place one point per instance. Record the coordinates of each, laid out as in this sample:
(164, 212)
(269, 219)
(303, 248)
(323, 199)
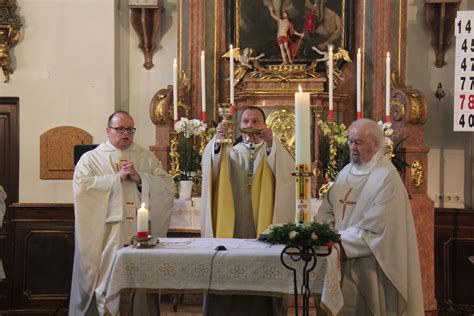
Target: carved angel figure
(340, 54)
(245, 58)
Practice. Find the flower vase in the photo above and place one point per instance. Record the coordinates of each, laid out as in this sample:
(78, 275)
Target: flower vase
(185, 188)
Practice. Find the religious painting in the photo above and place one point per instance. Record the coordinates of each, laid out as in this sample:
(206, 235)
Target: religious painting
(292, 31)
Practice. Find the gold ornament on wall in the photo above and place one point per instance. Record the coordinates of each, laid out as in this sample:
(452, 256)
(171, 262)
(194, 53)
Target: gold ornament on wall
(417, 173)
(282, 122)
(9, 35)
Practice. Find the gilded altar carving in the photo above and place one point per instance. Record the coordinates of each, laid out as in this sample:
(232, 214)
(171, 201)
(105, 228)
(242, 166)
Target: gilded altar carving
(397, 109)
(416, 109)
(417, 173)
(282, 122)
(9, 35)
(161, 105)
(407, 104)
(174, 155)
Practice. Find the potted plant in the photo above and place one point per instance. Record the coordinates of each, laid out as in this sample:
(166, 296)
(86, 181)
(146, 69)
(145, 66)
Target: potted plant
(189, 131)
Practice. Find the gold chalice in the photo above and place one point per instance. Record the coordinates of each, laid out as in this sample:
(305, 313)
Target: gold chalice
(250, 132)
(226, 111)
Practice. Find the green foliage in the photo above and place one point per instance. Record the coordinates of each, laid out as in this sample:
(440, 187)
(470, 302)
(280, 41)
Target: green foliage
(306, 234)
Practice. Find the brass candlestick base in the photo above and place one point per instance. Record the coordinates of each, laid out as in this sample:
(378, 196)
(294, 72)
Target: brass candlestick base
(226, 111)
(144, 242)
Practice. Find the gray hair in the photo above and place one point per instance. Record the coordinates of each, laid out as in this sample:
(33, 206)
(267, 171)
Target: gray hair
(373, 129)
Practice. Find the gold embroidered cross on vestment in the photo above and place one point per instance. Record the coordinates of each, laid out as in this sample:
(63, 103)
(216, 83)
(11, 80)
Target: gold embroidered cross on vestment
(346, 202)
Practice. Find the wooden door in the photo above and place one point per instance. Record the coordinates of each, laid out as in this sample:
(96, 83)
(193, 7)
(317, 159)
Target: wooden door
(9, 173)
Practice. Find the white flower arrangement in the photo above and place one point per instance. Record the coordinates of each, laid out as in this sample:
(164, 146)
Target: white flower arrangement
(387, 132)
(293, 234)
(193, 127)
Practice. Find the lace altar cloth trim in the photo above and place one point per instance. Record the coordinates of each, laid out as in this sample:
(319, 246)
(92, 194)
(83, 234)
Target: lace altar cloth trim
(246, 266)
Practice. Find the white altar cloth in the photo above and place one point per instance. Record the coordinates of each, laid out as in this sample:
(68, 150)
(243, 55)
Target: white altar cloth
(247, 266)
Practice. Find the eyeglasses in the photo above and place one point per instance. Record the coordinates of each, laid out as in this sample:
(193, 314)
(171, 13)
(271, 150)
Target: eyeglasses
(122, 130)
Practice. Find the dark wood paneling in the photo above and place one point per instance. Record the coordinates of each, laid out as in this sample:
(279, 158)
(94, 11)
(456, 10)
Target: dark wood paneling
(9, 147)
(43, 256)
(9, 172)
(454, 272)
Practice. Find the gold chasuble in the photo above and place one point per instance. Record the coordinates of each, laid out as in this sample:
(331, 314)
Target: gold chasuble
(223, 217)
(245, 188)
(263, 196)
(263, 193)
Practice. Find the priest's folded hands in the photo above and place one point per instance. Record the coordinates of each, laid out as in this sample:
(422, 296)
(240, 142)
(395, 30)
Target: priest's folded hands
(128, 172)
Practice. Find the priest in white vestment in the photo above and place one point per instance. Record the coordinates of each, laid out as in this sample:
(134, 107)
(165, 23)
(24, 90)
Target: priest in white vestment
(252, 187)
(110, 183)
(245, 188)
(369, 206)
(3, 197)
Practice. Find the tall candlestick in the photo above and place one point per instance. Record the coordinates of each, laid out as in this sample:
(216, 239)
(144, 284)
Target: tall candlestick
(142, 221)
(359, 89)
(387, 88)
(302, 155)
(203, 86)
(175, 91)
(330, 83)
(231, 74)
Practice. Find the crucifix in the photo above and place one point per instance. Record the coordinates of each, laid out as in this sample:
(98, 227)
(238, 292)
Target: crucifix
(346, 202)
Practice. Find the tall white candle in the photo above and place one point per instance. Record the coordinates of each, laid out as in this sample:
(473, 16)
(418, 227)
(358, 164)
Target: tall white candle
(302, 128)
(175, 90)
(231, 74)
(203, 86)
(142, 220)
(359, 87)
(330, 81)
(302, 155)
(387, 88)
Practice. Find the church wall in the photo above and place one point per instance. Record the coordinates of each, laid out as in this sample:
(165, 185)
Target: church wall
(143, 84)
(76, 63)
(449, 157)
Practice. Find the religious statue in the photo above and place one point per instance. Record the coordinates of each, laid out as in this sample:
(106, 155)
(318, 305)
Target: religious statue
(288, 49)
(8, 38)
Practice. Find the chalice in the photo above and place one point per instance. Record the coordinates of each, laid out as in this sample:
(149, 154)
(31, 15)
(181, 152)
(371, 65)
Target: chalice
(226, 111)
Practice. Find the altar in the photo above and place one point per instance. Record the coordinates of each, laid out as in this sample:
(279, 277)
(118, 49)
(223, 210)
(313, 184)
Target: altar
(193, 265)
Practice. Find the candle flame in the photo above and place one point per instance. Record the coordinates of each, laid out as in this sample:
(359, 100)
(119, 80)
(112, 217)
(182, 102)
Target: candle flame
(299, 88)
(230, 46)
(174, 61)
(358, 51)
(388, 54)
(143, 205)
(330, 48)
(202, 53)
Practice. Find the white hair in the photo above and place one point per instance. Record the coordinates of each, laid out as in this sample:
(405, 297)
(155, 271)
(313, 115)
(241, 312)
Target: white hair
(373, 130)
